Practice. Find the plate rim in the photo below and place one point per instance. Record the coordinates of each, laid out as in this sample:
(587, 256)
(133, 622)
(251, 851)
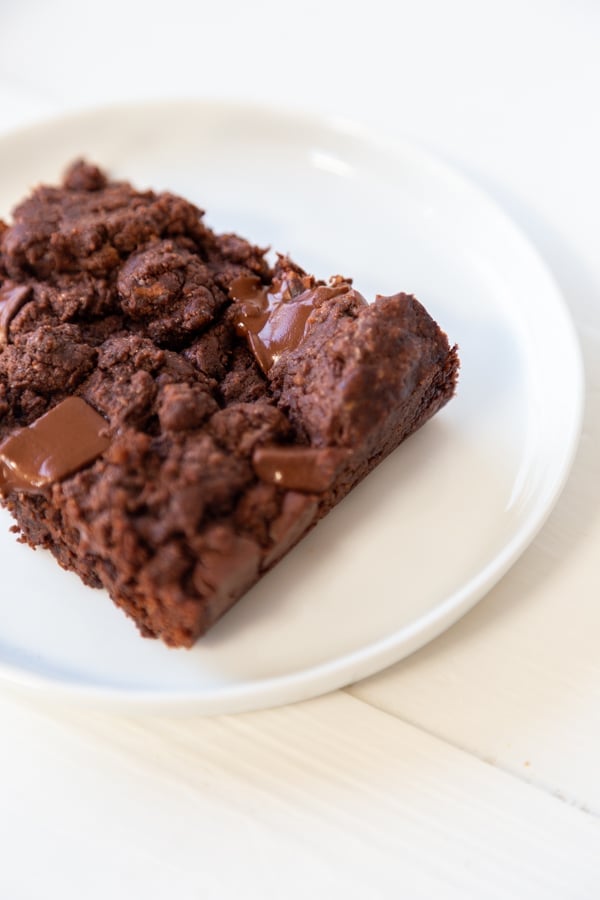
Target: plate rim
(311, 681)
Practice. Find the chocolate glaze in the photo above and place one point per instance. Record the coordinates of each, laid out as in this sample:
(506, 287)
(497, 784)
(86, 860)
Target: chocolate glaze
(12, 298)
(274, 318)
(54, 446)
(298, 468)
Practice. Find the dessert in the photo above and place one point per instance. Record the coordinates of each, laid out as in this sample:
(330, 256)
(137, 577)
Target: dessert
(176, 413)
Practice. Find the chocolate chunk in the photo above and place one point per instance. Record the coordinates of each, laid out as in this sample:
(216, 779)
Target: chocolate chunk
(54, 446)
(273, 319)
(12, 298)
(298, 468)
(227, 568)
(297, 515)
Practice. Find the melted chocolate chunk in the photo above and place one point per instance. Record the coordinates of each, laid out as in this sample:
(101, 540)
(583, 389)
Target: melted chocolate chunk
(12, 298)
(298, 468)
(227, 568)
(62, 441)
(274, 319)
(298, 513)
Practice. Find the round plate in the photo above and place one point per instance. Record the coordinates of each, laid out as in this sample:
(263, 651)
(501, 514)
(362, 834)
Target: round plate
(438, 523)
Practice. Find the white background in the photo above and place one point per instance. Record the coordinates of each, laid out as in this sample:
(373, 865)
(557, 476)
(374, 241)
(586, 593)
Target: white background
(470, 769)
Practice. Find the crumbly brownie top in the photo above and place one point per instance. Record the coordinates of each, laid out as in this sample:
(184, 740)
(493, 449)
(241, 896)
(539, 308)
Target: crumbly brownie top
(99, 283)
(231, 392)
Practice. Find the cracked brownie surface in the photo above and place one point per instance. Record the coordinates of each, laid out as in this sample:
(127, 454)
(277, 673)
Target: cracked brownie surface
(213, 407)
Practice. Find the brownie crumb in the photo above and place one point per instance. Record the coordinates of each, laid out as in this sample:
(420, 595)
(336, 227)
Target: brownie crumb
(81, 176)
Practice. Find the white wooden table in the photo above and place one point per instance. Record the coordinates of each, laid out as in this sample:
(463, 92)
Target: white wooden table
(471, 768)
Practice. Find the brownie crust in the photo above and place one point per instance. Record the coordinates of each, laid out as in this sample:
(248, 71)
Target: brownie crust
(240, 401)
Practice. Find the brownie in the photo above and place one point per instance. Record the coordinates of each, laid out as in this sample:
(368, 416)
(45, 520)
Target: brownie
(176, 413)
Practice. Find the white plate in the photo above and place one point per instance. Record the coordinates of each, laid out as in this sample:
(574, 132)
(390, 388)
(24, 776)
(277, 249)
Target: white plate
(417, 544)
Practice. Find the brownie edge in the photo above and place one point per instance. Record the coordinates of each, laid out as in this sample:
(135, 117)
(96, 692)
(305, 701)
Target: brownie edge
(176, 413)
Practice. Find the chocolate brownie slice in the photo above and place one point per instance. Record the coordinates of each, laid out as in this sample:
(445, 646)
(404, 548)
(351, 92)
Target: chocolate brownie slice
(175, 413)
